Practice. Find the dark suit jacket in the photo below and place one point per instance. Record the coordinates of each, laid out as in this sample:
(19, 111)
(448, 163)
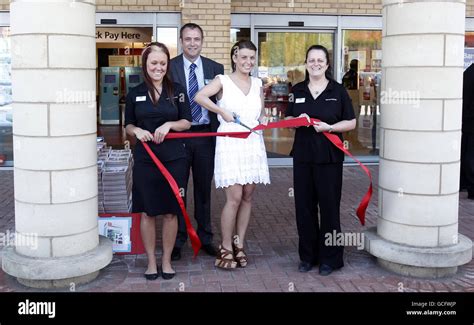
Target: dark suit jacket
(211, 69)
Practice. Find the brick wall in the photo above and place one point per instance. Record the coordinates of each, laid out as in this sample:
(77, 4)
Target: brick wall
(214, 18)
(139, 5)
(342, 7)
(364, 7)
(470, 8)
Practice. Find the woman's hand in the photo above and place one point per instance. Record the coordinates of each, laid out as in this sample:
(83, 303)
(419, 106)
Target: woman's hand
(161, 132)
(307, 117)
(143, 135)
(227, 116)
(322, 127)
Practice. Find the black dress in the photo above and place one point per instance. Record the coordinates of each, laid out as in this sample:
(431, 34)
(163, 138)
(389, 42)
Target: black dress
(151, 192)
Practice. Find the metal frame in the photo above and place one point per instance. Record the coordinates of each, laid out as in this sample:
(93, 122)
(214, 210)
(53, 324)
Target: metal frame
(141, 19)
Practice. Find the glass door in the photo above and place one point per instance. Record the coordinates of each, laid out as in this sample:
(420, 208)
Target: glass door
(281, 56)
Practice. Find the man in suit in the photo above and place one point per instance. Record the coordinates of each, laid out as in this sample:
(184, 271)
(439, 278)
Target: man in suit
(467, 140)
(193, 72)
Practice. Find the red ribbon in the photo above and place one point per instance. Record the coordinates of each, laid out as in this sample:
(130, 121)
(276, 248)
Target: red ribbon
(302, 121)
(296, 122)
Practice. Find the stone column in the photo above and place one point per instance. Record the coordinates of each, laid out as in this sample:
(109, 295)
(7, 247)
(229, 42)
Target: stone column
(421, 106)
(54, 134)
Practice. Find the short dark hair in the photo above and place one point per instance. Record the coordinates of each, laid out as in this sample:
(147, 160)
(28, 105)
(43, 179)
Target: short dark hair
(190, 26)
(242, 44)
(354, 64)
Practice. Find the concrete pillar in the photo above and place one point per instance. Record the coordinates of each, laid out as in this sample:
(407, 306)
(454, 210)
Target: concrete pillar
(214, 18)
(421, 104)
(54, 134)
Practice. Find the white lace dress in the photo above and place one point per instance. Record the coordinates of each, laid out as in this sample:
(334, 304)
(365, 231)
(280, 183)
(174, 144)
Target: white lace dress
(240, 161)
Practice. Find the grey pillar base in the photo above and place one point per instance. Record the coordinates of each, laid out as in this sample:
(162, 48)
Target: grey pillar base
(426, 262)
(57, 272)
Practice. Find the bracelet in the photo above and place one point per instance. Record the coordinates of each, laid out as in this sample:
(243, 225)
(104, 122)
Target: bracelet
(330, 129)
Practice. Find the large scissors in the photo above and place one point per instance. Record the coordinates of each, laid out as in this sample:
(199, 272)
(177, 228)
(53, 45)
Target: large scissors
(238, 121)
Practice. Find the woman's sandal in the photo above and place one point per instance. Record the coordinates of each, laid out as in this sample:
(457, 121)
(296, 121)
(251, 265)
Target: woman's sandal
(225, 259)
(239, 253)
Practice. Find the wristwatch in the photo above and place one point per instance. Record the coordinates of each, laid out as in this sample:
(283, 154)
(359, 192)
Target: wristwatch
(330, 129)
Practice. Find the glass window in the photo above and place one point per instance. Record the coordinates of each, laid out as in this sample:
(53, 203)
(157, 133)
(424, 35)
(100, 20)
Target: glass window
(281, 57)
(6, 120)
(361, 64)
(169, 37)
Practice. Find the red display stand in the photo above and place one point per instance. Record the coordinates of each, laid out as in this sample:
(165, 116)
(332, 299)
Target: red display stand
(135, 236)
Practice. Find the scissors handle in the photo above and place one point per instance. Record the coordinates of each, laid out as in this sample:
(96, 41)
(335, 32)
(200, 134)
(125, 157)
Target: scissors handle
(236, 118)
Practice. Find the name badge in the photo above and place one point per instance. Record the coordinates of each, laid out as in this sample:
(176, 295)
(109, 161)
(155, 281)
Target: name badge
(206, 81)
(300, 100)
(140, 98)
(331, 99)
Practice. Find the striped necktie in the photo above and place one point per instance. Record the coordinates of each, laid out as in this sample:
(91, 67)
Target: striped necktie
(193, 89)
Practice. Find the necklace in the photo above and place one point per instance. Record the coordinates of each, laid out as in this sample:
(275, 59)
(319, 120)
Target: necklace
(318, 90)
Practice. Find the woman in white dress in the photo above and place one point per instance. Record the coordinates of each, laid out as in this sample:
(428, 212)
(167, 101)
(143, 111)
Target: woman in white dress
(239, 163)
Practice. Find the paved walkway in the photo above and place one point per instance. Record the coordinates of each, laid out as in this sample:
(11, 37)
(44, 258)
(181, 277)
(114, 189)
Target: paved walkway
(272, 248)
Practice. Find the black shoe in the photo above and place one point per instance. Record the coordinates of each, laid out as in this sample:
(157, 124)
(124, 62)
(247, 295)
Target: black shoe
(325, 269)
(152, 276)
(167, 276)
(176, 254)
(209, 249)
(305, 267)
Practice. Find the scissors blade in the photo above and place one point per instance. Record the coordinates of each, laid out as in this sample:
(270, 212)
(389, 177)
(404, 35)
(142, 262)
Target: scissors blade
(247, 127)
(238, 121)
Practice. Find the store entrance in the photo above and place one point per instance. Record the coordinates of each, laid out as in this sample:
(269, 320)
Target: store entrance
(118, 70)
(281, 59)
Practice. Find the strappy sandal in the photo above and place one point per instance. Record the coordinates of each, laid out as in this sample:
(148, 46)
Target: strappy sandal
(225, 259)
(239, 253)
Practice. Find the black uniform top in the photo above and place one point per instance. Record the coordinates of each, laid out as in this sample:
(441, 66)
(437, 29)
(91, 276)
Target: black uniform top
(468, 101)
(331, 106)
(141, 112)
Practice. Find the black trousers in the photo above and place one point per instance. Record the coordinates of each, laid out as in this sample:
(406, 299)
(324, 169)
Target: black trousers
(318, 185)
(467, 162)
(200, 159)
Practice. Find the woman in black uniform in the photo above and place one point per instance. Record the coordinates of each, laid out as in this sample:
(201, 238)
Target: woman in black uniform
(317, 163)
(154, 108)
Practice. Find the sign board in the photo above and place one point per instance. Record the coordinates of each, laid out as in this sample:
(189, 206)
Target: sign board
(118, 231)
(468, 57)
(123, 35)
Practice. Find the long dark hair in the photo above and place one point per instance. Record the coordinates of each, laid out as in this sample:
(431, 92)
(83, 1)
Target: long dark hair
(328, 72)
(167, 82)
(243, 44)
